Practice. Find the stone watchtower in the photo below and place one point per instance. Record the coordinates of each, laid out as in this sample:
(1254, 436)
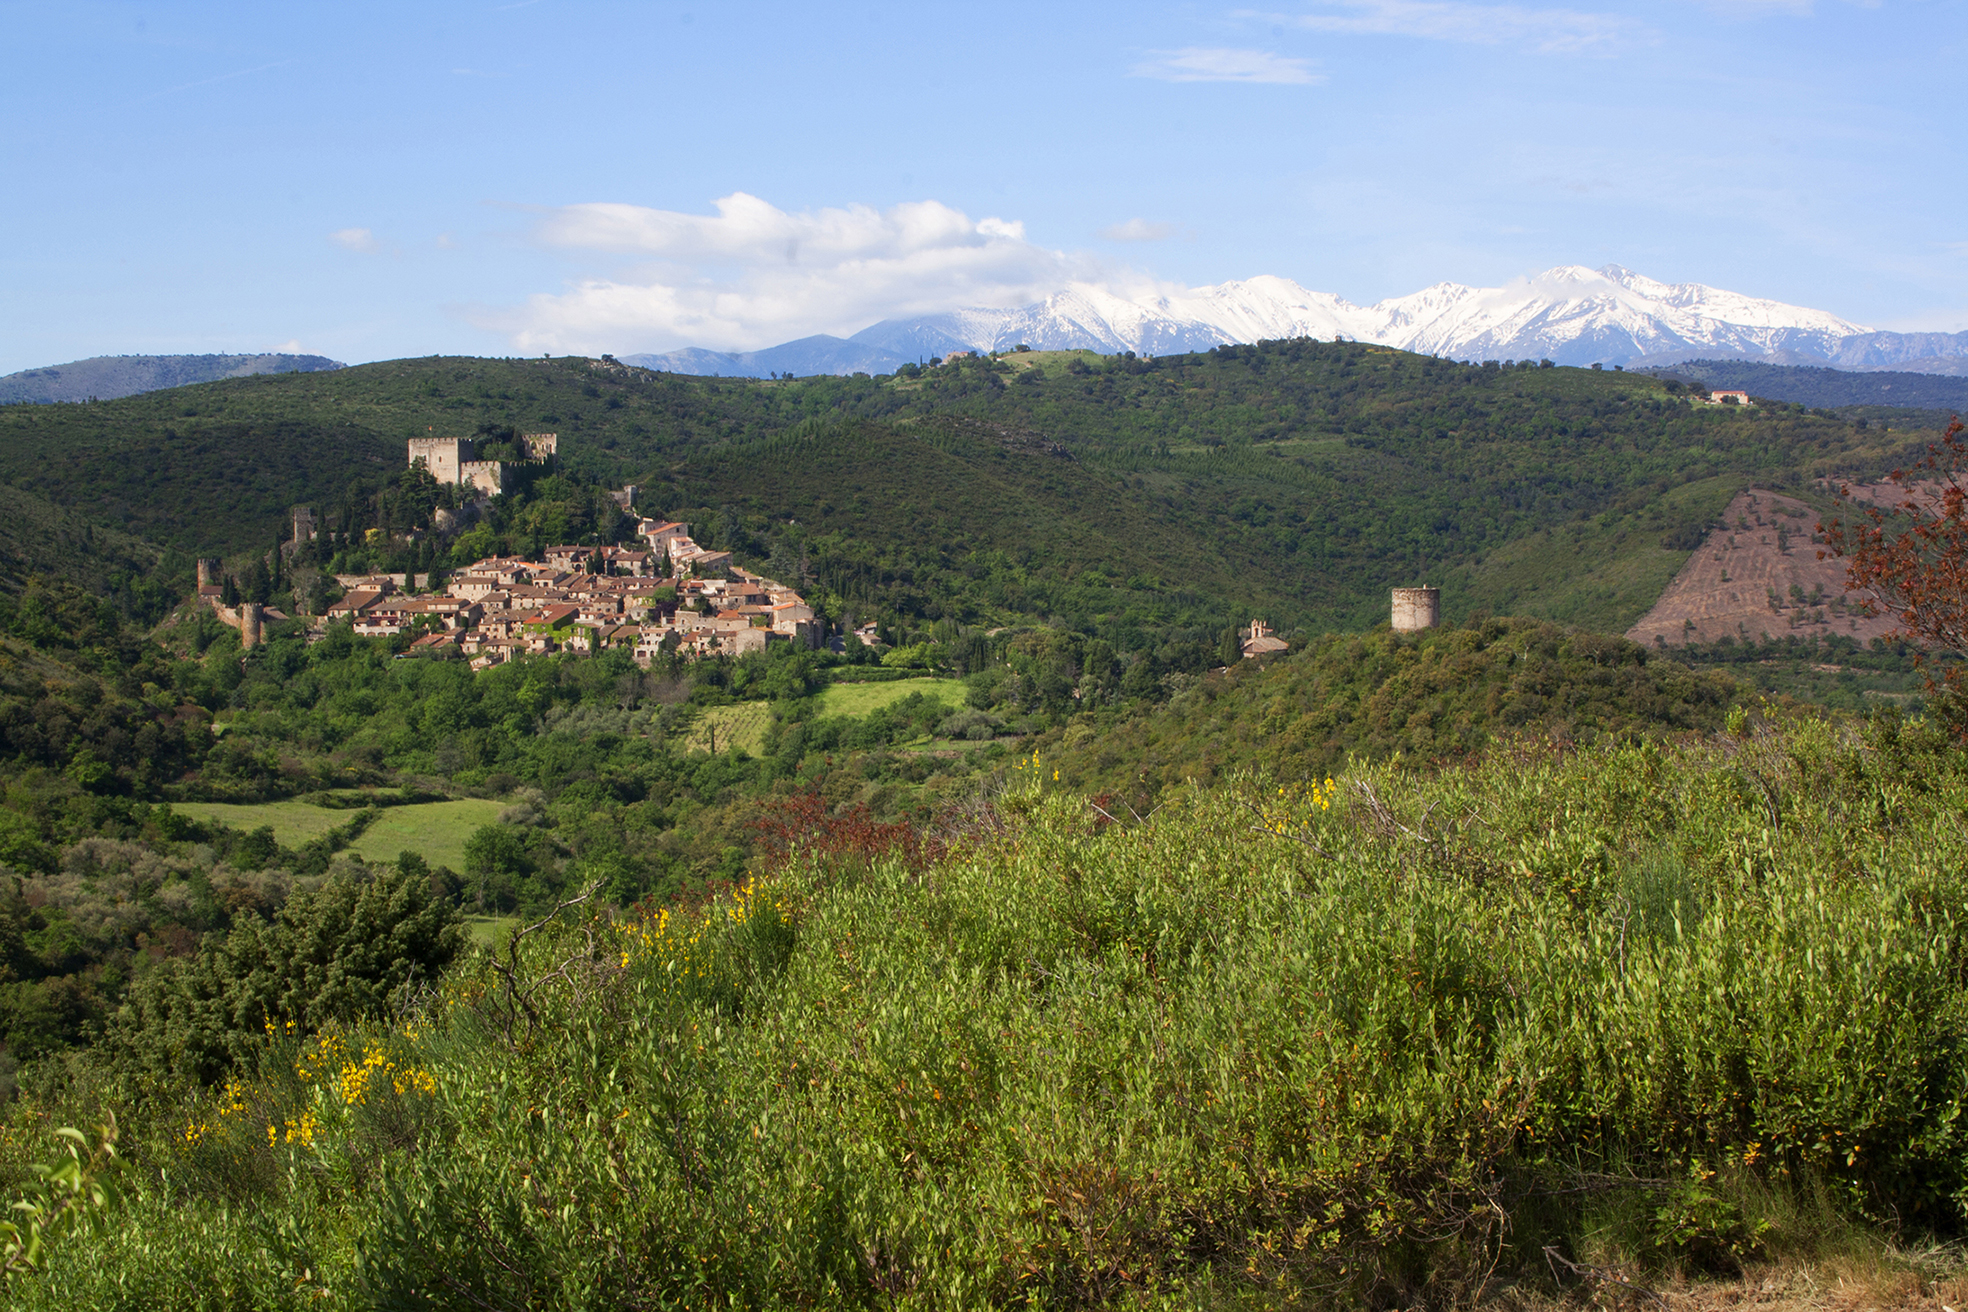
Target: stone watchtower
(1416, 609)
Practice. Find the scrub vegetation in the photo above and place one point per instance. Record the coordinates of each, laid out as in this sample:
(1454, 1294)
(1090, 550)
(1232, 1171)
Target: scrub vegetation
(1381, 1039)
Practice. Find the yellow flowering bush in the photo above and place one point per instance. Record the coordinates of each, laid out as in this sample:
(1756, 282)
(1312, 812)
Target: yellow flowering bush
(337, 1085)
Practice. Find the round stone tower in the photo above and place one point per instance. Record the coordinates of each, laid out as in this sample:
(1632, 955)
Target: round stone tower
(252, 621)
(1416, 609)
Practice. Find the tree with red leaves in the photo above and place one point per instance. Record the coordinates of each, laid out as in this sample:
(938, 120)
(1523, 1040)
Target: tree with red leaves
(801, 824)
(1910, 560)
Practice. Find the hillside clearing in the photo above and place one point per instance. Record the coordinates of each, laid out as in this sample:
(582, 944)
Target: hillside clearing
(739, 728)
(435, 830)
(1755, 576)
(854, 699)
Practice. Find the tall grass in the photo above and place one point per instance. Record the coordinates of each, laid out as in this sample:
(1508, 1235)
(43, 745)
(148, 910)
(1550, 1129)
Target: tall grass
(1284, 1042)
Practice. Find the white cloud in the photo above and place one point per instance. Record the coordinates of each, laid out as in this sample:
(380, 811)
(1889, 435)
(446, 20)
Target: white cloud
(1550, 31)
(1213, 64)
(290, 347)
(1137, 230)
(753, 274)
(360, 240)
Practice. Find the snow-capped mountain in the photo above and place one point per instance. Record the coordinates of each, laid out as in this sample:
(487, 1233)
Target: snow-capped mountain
(1570, 314)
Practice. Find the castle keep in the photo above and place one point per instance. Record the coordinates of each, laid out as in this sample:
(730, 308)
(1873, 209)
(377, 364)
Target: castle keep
(455, 460)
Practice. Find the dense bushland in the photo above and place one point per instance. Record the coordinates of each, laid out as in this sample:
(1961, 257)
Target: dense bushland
(1284, 1041)
(1428, 698)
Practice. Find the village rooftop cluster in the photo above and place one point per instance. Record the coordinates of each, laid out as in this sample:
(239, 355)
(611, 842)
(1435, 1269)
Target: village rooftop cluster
(672, 595)
(667, 595)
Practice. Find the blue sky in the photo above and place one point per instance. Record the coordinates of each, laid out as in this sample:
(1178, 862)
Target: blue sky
(378, 180)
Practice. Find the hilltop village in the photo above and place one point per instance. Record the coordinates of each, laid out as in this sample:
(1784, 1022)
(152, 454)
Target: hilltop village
(667, 595)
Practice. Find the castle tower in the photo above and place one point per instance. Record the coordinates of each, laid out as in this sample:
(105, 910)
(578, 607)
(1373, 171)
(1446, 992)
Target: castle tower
(443, 456)
(1416, 609)
(208, 571)
(252, 623)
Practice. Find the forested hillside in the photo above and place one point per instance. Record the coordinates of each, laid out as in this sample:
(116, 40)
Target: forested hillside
(1434, 698)
(41, 538)
(105, 377)
(1301, 479)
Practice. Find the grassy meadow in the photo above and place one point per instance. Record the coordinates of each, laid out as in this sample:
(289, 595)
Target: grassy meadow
(856, 699)
(492, 932)
(1379, 1040)
(437, 831)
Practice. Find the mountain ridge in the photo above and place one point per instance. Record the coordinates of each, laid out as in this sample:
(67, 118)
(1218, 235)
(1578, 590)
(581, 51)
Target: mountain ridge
(108, 377)
(1570, 314)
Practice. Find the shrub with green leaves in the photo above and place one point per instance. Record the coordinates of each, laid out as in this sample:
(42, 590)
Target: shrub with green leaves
(353, 947)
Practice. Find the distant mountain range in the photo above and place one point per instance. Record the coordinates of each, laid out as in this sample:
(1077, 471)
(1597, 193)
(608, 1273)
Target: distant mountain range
(1571, 315)
(106, 377)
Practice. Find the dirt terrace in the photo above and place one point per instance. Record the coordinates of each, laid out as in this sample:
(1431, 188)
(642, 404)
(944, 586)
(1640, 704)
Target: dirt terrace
(1758, 575)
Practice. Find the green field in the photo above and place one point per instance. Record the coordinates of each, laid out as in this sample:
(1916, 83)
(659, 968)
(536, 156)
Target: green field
(863, 698)
(437, 830)
(294, 823)
(492, 931)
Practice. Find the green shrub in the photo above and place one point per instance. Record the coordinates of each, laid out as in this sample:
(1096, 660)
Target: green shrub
(355, 946)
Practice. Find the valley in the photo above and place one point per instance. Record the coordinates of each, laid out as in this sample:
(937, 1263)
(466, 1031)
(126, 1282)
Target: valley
(875, 767)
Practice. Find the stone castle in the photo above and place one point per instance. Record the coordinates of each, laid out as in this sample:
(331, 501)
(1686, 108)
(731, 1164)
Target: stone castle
(455, 460)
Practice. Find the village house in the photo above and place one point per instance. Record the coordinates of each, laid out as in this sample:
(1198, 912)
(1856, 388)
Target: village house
(628, 561)
(568, 558)
(355, 603)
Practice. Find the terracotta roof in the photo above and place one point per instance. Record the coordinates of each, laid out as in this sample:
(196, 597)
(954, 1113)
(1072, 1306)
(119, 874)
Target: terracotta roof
(359, 600)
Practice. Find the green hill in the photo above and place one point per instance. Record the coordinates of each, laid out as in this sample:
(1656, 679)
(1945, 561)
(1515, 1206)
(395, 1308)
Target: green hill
(1298, 479)
(1436, 697)
(40, 538)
